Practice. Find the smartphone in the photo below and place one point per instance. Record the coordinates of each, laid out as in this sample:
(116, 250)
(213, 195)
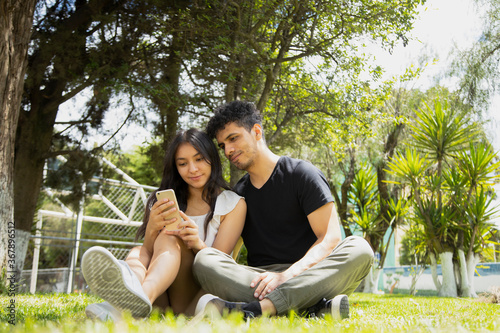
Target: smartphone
(170, 195)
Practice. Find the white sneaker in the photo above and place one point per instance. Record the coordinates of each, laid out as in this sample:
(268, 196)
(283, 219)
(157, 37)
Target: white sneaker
(103, 312)
(115, 282)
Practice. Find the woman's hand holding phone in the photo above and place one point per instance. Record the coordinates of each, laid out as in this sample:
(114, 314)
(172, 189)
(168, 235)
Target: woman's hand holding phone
(164, 213)
(161, 215)
(157, 221)
(171, 216)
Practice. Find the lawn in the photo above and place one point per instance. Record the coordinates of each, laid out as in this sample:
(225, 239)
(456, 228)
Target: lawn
(369, 313)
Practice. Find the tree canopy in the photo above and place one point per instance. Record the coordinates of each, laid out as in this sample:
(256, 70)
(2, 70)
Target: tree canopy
(186, 58)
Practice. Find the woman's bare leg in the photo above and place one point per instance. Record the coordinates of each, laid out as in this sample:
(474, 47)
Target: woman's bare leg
(183, 292)
(164, 266)
(138, 260)
(184, 288)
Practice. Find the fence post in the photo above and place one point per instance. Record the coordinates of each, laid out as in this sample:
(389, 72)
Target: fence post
(134, 205)
(36, 253)
(78, 233)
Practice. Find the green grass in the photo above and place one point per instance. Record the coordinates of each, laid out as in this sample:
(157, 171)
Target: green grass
(369, 313)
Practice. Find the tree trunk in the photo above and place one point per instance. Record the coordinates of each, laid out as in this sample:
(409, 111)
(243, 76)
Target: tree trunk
(464, 278)
(33, 143)
(390, 145)
(342, 201)
(15, 31)
(383, 249)
(172, 79)
(434, 273)
(22, 242)
(472, 261)
(449, 285)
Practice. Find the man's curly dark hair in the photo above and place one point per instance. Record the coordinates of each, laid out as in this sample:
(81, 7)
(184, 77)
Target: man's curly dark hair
(244, 114)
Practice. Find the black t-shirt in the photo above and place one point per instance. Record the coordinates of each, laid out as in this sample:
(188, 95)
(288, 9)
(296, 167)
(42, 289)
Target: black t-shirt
(277, 230)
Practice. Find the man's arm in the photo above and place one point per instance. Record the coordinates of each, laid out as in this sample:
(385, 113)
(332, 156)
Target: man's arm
(325, 225)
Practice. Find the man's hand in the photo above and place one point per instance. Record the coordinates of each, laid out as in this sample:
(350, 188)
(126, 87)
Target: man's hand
(268, 282)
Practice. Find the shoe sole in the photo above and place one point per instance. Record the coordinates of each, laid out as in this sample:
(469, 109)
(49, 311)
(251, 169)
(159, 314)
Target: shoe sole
(103, 274)
(340, 307)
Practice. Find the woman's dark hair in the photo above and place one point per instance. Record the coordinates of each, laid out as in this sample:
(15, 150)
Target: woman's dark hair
(171, 178)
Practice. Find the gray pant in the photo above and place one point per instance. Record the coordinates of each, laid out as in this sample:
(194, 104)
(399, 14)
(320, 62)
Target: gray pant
(339, 273)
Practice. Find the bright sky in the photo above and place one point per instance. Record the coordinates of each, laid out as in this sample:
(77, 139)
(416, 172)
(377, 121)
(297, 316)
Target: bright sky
(441, 25)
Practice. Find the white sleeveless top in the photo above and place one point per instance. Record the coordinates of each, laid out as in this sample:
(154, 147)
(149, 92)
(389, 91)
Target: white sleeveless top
(226, 202)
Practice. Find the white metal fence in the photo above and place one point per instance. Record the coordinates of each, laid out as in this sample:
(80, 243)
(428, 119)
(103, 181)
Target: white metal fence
(108, 218)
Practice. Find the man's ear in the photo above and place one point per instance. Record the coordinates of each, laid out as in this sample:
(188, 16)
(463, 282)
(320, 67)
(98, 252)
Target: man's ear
(257, 128)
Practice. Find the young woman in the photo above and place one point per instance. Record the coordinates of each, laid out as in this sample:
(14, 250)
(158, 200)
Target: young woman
(160, 269)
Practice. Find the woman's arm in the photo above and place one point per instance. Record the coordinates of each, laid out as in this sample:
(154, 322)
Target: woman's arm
(230, 229)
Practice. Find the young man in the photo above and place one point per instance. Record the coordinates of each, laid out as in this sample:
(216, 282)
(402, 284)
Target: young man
(296, 257)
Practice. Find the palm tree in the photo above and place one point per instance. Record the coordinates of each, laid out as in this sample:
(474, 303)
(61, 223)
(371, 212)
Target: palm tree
(476, 176)
(444, 171)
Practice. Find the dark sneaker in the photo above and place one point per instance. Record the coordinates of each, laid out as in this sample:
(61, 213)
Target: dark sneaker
(338, 307)
(213, 306)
